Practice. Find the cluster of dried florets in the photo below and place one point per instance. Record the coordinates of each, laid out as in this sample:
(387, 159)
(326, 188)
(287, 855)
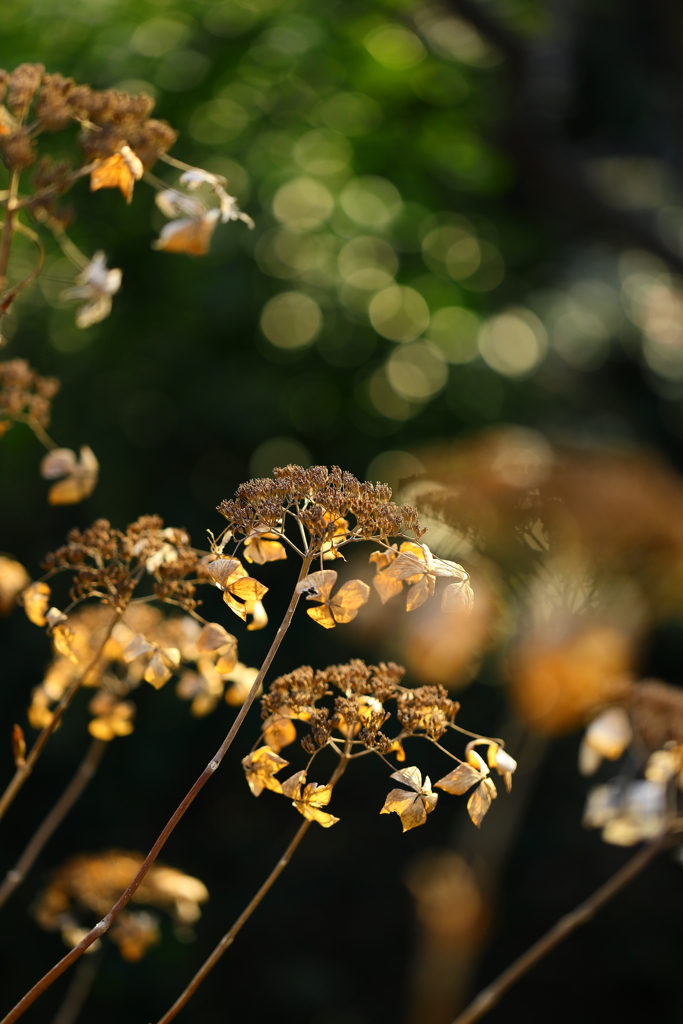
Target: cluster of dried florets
(25, 396)
(344, 708)
(88, 884)
(649, 724)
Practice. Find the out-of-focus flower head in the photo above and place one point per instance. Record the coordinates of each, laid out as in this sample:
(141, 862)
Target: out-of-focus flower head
(96, 285)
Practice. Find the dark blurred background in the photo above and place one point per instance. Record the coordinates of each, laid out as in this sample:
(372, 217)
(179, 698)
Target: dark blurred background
(467, 214)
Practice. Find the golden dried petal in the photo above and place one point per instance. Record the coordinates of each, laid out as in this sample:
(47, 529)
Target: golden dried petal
(119, 171)
(317, 585)
(13, 579)
(224, 571)
(79, 484)
(317, 796)
(478, 762)
(386, 587)
(323, 616)
(480, 801)
(279, 732)
(234, 605)
(58, 462)
(457, 596)
(227, 661)
(138, 645)
(349, 599)
(405, 566)
(291, 787)
(260, 551)
(191, 235)
(248, 589)
(243, 678)
(63, 637)
(259, 616)
(101, 729)
(213, 637)
(408, 806)
(260, 767)
(419, 592)
(383, 558)
(36, 600)
(157, 672)
(410, 777)
(460, 779)
(323, 818)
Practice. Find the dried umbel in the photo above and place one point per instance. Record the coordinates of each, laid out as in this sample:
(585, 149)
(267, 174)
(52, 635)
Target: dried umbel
(25, 396)
(87, 884)
(344, 709)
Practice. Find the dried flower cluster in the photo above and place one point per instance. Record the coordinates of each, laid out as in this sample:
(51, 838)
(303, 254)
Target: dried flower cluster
(344, 708)
(25, 396)
(88, 884)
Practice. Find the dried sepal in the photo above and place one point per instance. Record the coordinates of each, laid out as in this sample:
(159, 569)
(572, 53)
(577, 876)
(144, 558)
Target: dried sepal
(80, 475)
(260, 767)
(13, 579)
(205, 690)
(113, 717)
(215, 639)
(263, 546)
(412, 808)
(120, 171)
(242, 677)
(278, 731)
(190, 235)
(503, 763)
(241, 593)
(161, 665)
(460, 779)
(418, 567)
(36, 600)
(311, 801)
(480, 801)
(607, 736)
(343, 607)
(95, 285)
(138, 646)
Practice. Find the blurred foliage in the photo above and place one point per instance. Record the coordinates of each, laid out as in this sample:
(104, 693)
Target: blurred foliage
(426, 261)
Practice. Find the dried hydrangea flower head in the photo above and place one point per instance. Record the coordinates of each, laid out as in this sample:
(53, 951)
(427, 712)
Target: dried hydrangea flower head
(25, 396)
(344, 709)
(87, 884)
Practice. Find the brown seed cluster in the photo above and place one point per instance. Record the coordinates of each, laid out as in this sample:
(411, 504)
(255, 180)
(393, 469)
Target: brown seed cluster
(109, 119)
(24, 393)
(109, 563)
(357, 709)
(320, 499)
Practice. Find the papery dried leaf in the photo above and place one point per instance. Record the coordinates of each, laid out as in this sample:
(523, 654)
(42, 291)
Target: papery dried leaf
(405, 566)
(317, 585)
(410, 777)
(291, 787)
(119, 171)
(480, 801)
(322, 615)
(138, 645)
(263, 548)
(409, 807)
(457, 595)
(419, 592)
(460, 779)
(36, 600)
(261, 766)
(213, 637)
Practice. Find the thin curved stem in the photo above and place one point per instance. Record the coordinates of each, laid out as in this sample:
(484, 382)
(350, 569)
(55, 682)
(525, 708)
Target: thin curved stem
(491, 995)
(22, 773)
(43, 833)
(26, 281)
(102, 926)
(230, 936)
(8, 227)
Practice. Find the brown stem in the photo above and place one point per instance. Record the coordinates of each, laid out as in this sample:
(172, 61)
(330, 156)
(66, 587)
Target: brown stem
(8, 227)
(23, 772)
(492, 994)
(102, 926)
(230, 936)
(26, 281)
(86, 770)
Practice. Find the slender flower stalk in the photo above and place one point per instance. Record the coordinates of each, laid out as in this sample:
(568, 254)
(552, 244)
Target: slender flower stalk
(230, 936)
(493, 993)
(87, 768)
(105, 923)
(24, 770)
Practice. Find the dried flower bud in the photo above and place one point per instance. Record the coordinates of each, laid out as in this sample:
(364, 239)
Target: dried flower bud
(53, 109)
(17, 150)
(23, 83)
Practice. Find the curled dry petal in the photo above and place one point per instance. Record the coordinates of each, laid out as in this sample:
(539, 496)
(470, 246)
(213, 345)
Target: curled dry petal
(96, 285)
(311, 801)
(343, 607)
(80, 481)
(412, 808)
(607, 736)
(120, 171)
(13, 579)
(36, 600)
(261, 766)
(191, 235)
(214, 637)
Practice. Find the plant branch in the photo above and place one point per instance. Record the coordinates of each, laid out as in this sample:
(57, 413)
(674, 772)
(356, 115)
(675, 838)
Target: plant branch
(8, 228)
(230, 936)
(22, 773)
(43, 833)
(102, 926)
(491, 995)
